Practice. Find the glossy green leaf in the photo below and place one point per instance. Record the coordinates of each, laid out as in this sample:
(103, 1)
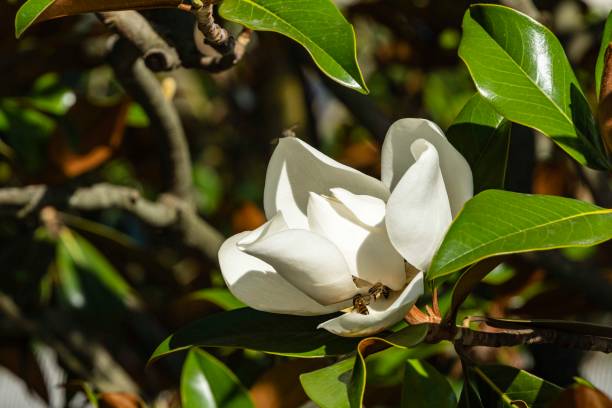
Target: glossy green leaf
(482, 136)
(342, 385)
(316, 24)
(28, 13)
(606, 38)
(425, 387)
(520, 67)
(36, 11)
(501, 386)
(207, 383)
(268, 332)
(499, 222)
(217, 296)
(328, 387)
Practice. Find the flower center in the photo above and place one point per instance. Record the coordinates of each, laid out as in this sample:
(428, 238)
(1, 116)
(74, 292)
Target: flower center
(361, 302)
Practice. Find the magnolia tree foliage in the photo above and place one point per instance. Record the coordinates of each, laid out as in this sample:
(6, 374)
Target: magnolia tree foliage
(345, 262)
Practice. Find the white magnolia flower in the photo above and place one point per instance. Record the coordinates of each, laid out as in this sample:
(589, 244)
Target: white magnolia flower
(334, 232)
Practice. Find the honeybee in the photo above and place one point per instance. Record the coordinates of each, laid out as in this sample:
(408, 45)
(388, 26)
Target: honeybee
(379, 289)
(360, 304)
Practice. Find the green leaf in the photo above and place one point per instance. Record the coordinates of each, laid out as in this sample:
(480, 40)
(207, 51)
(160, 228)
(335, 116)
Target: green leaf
(268, 332)
(482, 136)
(424, 387)
(501, 386)
(499, 222)
(466, 284)
(606, 38)
(28, 13)
(88, 259)
(68, 281)
(342, 385)
(469, 397)
(520, 67)
(36, 11)
(207, 383)
(405, 338)
(328, 387)
(217, 296)
(316, 24)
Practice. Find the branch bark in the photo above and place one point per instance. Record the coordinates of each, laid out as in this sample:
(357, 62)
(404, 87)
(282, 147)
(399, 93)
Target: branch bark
(142, 85)
(168, 212)
(131, 25)
(466, 337)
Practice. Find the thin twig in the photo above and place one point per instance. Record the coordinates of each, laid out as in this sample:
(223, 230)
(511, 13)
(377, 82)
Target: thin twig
(214, 35)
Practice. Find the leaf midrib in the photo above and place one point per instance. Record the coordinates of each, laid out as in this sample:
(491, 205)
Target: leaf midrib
(298, 30)
(465, 254)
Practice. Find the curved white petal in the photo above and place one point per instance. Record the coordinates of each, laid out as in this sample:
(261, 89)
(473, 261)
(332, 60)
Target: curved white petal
(367, 209)
(256, 284)
(418, 211)
(309, 262)
(383, 313)
(274, 225)
(295, 169)
(396, 158)
(367, 250)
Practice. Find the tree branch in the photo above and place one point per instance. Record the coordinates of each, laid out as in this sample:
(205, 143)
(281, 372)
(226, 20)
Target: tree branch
(168, 212)
(131, 25)
(141, 84)
(466, 337)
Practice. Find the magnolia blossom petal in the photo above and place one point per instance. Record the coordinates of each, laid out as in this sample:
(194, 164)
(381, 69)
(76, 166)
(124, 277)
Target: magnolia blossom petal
(367, 209)
(396, 158)
(296, 169)
(383, 313)
(258, 285)
(418, 211)
(309, 262)
(367, 250)
(276, 224)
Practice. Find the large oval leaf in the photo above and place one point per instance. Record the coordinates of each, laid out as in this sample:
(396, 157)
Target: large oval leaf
(261, 331)
(207, 383)
(36, 11)
(315, 24)
(520, 67)
(499, 222)
(482, 136)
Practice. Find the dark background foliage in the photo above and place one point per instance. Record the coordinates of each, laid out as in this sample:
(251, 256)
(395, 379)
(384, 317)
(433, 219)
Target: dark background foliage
(100, 298)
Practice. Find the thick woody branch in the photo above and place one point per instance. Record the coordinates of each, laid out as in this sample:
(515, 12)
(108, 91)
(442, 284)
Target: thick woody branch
(142, 85)
(466, 337)
(168, 212)
(469, 338)
(132, 26)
